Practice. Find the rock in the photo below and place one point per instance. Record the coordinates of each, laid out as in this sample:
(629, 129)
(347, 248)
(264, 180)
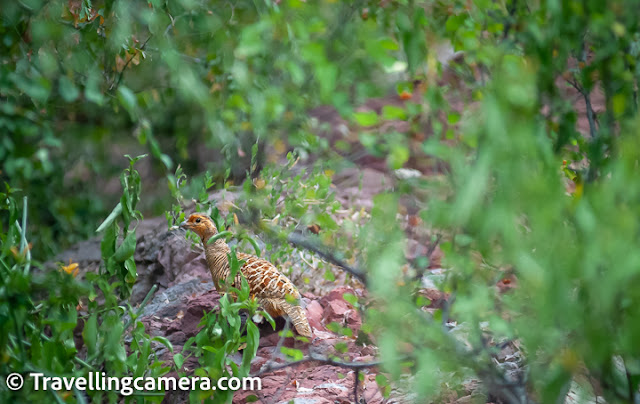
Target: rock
(336, 309)
(315, 315)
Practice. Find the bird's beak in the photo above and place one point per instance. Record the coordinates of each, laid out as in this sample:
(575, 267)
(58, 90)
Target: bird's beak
(185, 225)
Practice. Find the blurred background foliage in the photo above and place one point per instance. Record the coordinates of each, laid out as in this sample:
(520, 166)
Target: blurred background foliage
(198, 83)
(539, 145)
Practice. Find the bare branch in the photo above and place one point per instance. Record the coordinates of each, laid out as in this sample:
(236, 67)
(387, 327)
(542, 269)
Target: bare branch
(587, 100)
(420, 273)
(356, 381)
(320, 359)
(299, 240)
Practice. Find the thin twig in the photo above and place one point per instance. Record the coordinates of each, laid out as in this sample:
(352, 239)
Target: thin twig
(587, 100)
(276, 350)
(356, 381)
(315, 358)
(419, 274)
(127, 64)
(299, 240)
(586, 95)
(433, 246)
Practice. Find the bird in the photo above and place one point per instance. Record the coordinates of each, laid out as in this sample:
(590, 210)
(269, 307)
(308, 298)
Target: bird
(277, 295)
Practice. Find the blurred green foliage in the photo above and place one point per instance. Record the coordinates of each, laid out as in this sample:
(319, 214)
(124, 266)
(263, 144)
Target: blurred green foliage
(53, 324)
(228, 86)
(80, 77)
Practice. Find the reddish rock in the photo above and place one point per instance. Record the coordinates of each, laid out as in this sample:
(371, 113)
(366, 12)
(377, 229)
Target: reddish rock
(315, 314)
(336, 309)
(336, 294)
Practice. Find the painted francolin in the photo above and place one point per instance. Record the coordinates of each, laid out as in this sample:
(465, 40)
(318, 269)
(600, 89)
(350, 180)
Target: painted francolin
(266, 283)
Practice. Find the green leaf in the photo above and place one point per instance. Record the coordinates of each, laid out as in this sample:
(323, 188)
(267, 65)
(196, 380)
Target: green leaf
(164, 342)
(218, 236)
(296, 72)
(254, 244)
(341, 347)
(114, 349)
(178, 359)
(350, 298)
(393, 112)
(329, 276)
(92, 90)
(38, 88)
(422, 301)
(166, 160)
(134, 160)
(327, 77)
(130, 265)
(268, 317)
(111, 218)
(127, 248)
(453, 118)
(294, 354)
(368, 118)
(108, 243)
(403, 22)
(68, 91)
(463, 240)
(334, 327)
(383, 384)
(398, 157)
(128, 100)
(253, 340)
(90, 334)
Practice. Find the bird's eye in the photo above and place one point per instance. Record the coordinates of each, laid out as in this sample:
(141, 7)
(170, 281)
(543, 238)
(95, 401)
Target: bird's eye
(198, 220)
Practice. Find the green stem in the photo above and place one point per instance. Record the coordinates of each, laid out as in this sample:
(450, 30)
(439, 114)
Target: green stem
(23, 241)
(218, 236)
(20, 339)
(254, 244)
(23, 236)
(6, 269)
(141, 307)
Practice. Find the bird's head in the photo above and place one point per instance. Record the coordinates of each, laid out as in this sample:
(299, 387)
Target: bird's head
(201, 225)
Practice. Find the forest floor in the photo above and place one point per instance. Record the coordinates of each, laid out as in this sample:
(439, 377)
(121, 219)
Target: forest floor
(165, 258)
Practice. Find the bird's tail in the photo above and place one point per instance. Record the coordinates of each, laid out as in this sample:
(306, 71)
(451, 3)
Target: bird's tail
(299, 319)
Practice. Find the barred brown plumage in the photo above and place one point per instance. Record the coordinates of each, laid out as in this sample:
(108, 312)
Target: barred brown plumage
(266, 283)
